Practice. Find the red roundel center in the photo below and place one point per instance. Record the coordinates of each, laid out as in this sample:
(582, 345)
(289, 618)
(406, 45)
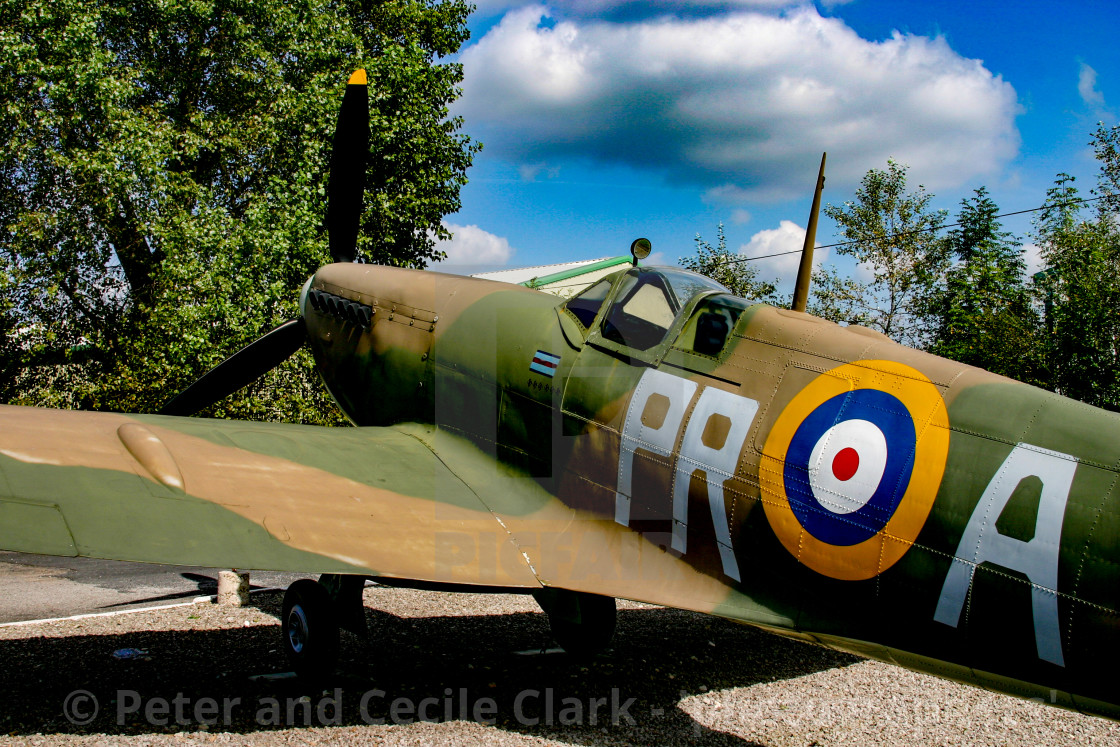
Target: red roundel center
(845, 464)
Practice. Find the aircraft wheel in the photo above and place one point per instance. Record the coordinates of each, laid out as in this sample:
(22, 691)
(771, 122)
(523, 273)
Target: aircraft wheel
(309, 628)
(583, 624)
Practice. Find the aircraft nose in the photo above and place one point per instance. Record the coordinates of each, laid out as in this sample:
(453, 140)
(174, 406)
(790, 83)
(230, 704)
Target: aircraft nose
(371, 330)
(350, 291)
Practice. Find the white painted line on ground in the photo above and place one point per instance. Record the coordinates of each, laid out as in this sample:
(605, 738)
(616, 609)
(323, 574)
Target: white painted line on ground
(102, 614)
(89, 615)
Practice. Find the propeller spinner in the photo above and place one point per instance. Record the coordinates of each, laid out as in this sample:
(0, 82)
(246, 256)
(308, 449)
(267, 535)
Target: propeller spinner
(345, 191)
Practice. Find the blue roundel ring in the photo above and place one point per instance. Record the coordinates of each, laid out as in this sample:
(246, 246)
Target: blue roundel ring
(890, 416)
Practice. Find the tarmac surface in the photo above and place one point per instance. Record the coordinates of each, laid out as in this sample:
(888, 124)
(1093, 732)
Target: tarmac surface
(441, 668)
(33, 587)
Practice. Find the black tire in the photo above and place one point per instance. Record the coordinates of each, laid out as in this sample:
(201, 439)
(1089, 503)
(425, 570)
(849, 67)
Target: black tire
(589, 630)
(309, 629)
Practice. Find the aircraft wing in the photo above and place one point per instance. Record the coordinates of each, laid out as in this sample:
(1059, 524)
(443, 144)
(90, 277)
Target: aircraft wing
(408, 501)
(191, 491)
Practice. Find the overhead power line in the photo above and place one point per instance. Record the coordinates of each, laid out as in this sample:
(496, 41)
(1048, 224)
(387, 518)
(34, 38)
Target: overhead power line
(939, 227)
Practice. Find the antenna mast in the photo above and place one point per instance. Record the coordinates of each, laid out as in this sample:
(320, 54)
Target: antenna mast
(805, 270)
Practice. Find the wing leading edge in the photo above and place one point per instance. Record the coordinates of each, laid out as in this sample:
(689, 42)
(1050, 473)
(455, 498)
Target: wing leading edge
(189, 491)
(409, 501)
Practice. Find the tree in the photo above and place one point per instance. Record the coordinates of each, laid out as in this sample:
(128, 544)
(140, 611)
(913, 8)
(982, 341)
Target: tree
(729, 269)
(832, 297)
(1106, 146)
(893, 234)
(162, 182)
(836, 298)
(981, 311)
(1081, 290)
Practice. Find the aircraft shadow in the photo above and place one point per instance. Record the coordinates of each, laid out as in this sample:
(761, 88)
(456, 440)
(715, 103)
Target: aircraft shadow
(484, 668)
(205, 585)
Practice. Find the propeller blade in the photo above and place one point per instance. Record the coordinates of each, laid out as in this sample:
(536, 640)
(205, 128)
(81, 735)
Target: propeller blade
(239, 370)
(347, 182)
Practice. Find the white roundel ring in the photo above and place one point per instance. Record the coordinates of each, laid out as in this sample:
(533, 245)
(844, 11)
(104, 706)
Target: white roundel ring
(847, 464)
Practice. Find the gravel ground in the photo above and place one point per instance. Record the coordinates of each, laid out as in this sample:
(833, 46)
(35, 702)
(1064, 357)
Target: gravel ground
(672, 678)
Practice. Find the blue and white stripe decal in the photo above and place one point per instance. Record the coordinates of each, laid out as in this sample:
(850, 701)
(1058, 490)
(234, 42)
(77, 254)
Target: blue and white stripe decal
(545, 363)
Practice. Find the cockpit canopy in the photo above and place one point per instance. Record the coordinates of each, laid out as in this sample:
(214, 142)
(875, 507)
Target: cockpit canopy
(645, 304)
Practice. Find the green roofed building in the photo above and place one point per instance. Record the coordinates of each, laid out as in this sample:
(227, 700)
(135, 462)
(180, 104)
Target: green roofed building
(566, 279)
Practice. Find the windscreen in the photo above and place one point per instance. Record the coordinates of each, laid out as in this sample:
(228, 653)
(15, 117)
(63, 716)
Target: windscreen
(647, 302)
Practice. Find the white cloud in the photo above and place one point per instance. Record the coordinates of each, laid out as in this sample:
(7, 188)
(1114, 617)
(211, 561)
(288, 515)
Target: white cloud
(529, 172)
(786, 241)
(470, 245)
(1032, 256)
(1087, 87)
(741, 103)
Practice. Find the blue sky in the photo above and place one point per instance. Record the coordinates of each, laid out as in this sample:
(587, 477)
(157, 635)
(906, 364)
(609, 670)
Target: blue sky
(605, 120)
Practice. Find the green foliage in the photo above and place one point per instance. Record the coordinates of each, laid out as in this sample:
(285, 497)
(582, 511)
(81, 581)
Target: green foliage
(966, 296)
(1106, 146)
(894, 235)
(831, 296)
(162, 185)
(981, 311)
(837, 298)
(729, 269)
(1080, 286)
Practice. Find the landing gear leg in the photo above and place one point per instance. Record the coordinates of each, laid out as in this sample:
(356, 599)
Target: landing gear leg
(346, 593)
(582, 623)
(309, 628)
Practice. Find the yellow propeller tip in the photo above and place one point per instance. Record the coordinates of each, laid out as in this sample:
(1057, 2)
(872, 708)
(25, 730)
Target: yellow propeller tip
(357, 79)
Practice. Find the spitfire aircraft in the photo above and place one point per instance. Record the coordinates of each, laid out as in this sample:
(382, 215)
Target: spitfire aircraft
(654, 438)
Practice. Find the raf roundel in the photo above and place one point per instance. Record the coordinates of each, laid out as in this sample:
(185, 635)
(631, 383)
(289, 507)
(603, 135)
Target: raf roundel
(852, 466)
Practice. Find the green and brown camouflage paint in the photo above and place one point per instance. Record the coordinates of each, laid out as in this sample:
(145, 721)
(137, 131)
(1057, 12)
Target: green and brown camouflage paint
(997, 565)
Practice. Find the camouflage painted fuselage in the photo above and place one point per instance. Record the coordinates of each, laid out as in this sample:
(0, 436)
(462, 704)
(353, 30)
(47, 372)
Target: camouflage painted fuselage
(819, 481)
(987, 554)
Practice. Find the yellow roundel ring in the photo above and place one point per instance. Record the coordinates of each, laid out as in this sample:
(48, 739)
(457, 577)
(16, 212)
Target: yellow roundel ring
(852, 466)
